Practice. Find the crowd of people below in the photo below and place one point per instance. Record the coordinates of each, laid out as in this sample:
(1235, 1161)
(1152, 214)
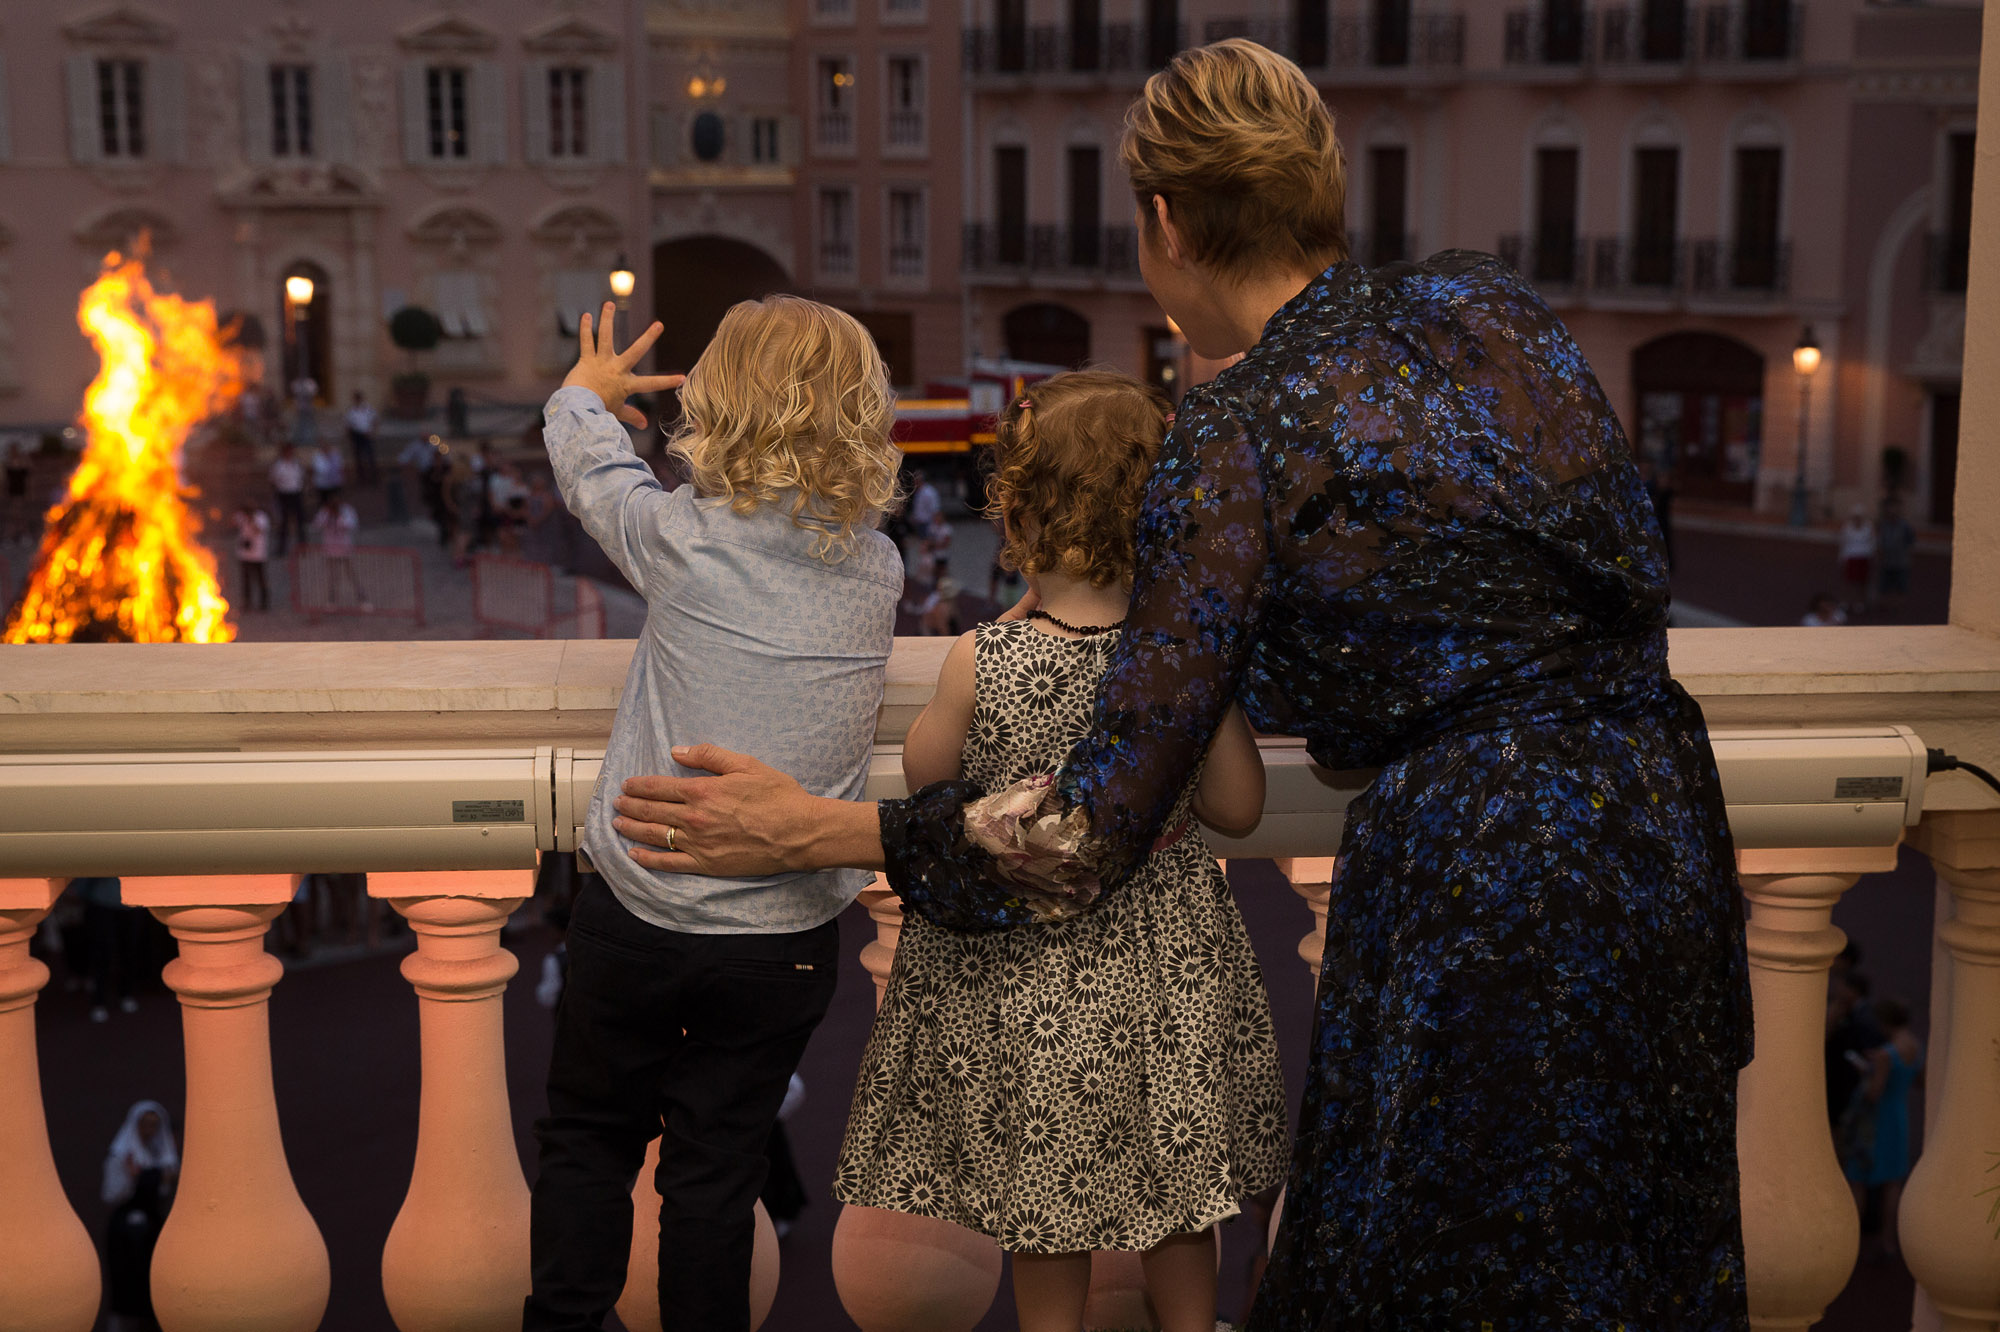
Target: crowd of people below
(1874, 1063)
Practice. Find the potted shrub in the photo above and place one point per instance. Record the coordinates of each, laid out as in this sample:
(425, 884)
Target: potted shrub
(415, 330)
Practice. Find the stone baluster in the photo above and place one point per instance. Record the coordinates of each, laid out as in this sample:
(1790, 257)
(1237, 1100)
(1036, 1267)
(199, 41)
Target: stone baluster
(1800, 1230)
(457, 1256)
(1946, 1221)
(49, 1280)
(1312, 878)
(896, 1272)
(239, 1248)
(639, 1304)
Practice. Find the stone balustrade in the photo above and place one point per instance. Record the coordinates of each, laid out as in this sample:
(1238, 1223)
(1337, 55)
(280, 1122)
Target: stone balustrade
(241, 1249)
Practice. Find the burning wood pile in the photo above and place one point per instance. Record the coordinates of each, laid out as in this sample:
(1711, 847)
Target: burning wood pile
(120, 560)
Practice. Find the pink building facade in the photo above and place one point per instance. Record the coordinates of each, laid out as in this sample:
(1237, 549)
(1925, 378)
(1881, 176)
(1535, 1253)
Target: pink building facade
(1693, 187)
(476, 163)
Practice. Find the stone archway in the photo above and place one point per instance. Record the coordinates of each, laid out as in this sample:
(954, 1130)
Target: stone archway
(698, 278)
(1700, 400)
(1047, 333)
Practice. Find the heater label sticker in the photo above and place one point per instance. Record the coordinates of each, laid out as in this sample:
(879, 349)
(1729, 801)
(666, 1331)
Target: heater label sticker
(1867, 788)
(489, 811)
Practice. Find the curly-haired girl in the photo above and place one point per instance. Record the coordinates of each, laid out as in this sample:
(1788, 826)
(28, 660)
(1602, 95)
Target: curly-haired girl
(770, 612)
(1098, 1081)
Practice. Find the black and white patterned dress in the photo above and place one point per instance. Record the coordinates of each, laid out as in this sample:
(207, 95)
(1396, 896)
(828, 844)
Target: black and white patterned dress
(1096, 1083)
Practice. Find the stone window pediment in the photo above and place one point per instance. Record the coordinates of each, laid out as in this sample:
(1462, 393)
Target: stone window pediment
(570, 223)
(570, 36)
(447, 33)
(120, 25)
(454, 225)
(121, 228)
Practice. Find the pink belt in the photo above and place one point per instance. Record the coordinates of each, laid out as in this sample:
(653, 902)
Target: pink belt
(1172, 835)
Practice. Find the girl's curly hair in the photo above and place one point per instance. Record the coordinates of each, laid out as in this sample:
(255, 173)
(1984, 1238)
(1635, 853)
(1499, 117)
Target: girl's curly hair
(792, 395)
(1071, 457)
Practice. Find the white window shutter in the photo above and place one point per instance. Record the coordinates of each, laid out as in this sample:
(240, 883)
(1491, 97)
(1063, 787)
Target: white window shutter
(607, 112)
(166, 108)
(86, 134)
(489, 111)
(416, 128)
(256, 110)
(535, 111)
(333, 107)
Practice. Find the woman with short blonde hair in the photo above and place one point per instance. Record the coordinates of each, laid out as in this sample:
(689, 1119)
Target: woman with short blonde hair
(1407, 527)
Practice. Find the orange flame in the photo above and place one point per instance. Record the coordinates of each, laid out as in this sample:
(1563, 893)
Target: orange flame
(120, 560)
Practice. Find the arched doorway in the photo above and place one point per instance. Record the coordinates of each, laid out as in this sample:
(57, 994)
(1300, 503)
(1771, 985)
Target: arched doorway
(1701, 413)
(696, 280)
(1047, 333)
(308, 330)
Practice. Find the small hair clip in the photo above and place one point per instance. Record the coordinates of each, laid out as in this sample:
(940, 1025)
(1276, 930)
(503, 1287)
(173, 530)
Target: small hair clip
(1024, 404)
(1170, 416)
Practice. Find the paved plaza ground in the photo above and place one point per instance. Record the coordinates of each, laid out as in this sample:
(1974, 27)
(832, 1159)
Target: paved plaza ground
(344, 1023)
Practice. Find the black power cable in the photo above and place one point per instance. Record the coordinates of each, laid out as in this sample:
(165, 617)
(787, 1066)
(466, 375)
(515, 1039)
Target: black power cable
(1936, 760)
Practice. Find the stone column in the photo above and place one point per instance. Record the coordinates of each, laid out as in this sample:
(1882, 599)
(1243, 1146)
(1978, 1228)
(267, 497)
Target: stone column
(49, 1280)
(1800, 1230)
(239, 1249)
(1948, 1235)
(457, 1257)
(896, 1272)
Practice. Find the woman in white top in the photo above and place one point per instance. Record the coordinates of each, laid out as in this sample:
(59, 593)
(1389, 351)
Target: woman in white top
(336, 524)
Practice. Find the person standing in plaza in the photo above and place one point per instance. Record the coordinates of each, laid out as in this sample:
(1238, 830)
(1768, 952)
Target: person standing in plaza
(1857, 559)
(140, 1172)
(361, 421)
(336, 523)
(288, 486)
(1895, 545)
(408, 477)
(329, 474)
(17, 515)
(253, 547)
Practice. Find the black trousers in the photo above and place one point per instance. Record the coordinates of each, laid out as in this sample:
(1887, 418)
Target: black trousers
(691, 1037)
(255, 585)
(291, 519)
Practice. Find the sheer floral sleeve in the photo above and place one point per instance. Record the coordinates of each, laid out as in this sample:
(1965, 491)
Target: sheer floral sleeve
(1047, 847)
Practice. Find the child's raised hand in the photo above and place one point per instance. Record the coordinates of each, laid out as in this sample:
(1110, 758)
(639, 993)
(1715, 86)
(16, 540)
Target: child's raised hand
(607, 372)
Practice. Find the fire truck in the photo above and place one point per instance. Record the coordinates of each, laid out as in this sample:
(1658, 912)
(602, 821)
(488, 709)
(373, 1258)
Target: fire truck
(954, 419)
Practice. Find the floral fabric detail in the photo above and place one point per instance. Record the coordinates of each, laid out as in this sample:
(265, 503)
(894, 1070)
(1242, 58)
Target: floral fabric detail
(1407, 527)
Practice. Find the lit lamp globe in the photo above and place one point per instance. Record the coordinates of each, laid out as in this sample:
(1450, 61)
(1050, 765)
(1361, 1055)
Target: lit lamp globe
(299, 289)
(1805, 356)
(622, 281)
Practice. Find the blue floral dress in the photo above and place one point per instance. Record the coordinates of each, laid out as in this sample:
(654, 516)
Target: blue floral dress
(1407, 527)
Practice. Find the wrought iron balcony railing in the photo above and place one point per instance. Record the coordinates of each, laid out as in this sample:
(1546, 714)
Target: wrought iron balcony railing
(1555, 36)
(1660, 32)
(1052, 48)
(1321, 42)
(1617, 266)
(1756, 31)
(1051, 249)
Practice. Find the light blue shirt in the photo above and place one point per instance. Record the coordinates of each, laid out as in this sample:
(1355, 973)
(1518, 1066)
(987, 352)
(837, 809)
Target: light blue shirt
(751, 642)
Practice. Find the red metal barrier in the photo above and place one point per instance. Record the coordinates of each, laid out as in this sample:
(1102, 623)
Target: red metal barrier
(384, 581)
(588, 619)
(512, 594)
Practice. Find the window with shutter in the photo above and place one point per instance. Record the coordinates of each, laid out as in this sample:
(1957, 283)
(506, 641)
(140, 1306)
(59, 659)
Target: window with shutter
(121, 109)
(292, 127)
(568, 92)
(446, 130)
(578, 292)
(460, 306)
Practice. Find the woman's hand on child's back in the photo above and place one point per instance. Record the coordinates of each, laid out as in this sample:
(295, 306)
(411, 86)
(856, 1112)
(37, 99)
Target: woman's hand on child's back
(607, 372)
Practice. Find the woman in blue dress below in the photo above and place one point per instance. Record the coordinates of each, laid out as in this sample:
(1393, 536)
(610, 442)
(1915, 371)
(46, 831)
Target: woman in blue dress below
(1407, 527)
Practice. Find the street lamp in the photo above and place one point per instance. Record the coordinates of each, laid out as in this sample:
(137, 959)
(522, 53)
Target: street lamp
(1805, 360)
(623, 279)
(298, 295)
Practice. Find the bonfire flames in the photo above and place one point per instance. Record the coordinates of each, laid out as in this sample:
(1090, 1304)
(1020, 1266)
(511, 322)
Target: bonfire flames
(119, 561)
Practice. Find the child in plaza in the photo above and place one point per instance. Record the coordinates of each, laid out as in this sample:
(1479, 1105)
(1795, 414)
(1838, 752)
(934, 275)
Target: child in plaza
(771, 605)
(1103, 1080)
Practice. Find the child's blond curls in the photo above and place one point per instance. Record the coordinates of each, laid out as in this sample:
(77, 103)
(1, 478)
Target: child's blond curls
(792, 395)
